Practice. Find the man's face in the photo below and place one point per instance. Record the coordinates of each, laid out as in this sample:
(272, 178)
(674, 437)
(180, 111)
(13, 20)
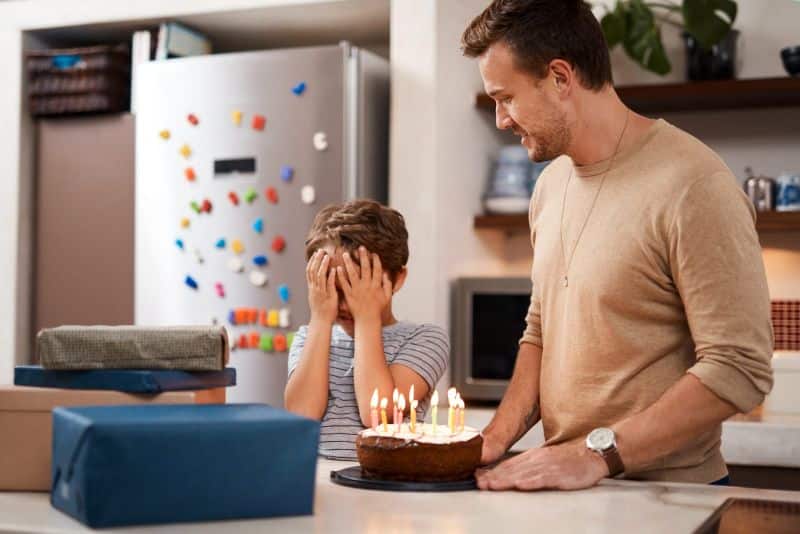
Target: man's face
(528, 106)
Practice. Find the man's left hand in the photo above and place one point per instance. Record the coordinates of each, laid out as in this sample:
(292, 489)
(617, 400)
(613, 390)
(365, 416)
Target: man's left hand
(569, 466)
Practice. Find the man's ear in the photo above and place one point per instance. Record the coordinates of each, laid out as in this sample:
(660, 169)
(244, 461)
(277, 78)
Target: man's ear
(399, 280)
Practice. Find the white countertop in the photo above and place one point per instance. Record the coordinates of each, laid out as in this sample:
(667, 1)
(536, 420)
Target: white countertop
(614, 506)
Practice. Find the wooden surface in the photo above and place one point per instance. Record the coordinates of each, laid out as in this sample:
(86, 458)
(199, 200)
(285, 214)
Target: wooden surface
(698, 96)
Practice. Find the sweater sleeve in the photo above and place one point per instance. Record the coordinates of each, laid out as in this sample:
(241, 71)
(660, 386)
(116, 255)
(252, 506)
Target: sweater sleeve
(718, 270)
(533, 320)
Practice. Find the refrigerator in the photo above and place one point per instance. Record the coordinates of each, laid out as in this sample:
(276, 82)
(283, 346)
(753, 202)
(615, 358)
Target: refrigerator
(235, 154)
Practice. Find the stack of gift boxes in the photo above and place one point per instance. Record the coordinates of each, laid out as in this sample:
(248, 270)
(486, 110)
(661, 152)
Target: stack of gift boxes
(147, 406)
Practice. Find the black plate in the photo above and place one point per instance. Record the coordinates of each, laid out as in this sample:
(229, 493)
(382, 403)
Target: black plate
(352, 477)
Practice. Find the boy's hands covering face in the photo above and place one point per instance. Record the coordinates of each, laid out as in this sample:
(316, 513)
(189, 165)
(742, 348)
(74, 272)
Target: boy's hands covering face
(322, 297)
(367, 292)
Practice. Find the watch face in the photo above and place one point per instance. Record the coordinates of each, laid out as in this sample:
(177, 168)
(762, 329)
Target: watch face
(600, 439)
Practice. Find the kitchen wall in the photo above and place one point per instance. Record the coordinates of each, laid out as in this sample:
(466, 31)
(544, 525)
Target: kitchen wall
(441, 145)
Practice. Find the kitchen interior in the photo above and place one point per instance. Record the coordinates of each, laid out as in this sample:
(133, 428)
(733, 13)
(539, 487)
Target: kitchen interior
(75, 204)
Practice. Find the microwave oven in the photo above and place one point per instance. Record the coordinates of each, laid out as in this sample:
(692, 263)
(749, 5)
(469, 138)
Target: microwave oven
(487, 319)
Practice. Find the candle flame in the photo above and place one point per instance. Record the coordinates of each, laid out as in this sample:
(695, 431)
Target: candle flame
(384, 402)
(401, 403)
(460, 402)
(374, 402)
(394, 395)
(411, 393)
(414, 404)
(435, 398)
(451, 397)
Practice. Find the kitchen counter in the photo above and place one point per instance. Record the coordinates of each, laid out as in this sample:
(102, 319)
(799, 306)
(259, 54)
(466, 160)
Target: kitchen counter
(614, 506)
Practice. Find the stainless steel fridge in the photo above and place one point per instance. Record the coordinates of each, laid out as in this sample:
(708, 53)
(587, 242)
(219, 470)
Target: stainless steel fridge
(235, 154)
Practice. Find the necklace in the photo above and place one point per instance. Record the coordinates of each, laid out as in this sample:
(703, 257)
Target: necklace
(568, 262)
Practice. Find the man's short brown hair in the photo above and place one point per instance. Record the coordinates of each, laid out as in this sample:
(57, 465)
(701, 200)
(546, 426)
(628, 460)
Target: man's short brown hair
(539, 31)
(367, 223)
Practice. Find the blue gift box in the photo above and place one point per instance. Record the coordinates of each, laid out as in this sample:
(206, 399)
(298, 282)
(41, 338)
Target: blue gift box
(130, 381)
(132, 465)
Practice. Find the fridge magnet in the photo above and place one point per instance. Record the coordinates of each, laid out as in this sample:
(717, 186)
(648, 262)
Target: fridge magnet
(283, 292)
(236, 264)
(234, 198)
(260, 260)
(198, 256)
(258, 225)
(232, 317)
(243, 341)
(262, 317)
(266, 343)
(253, 340)
(192, 118)
(184, 222)
(220, 289)
(258, 278)
(259, 121)
(250, 196)
(272, 195)
(299, 89)
(320, 141)
(189, 172)
(179, 243)
(307, 194)
(236, 117)
(186, 151)
(287, 173)
(220, 243)
(278, 244)
(279, 343)
(241, 315)
(206, 207)
(189, 281)
(164, 134)
(290, 338)
(284, 318)
(272, 318)
(195, 206)
(252, 315)
(237, 246)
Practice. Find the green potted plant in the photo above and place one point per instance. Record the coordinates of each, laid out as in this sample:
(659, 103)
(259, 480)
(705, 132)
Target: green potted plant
(707, 29)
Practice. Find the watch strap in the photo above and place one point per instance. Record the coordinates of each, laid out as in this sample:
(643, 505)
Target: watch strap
(613, 461)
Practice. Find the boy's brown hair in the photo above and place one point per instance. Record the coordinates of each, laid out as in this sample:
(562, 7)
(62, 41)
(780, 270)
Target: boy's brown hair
(367, 223)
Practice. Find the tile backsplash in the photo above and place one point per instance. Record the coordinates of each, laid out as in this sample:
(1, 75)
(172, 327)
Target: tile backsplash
(786, 324)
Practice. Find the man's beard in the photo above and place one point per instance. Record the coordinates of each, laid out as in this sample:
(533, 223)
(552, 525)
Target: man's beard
(552, 141)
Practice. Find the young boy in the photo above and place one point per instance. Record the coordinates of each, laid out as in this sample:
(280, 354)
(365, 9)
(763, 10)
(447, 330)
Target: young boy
(357, 254)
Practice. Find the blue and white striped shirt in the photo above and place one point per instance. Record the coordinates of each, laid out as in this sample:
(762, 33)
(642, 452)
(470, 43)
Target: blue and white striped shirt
(424, 348)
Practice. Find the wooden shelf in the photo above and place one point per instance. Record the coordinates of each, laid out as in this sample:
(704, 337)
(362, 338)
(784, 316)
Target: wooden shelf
(700, 96)
(770, 221)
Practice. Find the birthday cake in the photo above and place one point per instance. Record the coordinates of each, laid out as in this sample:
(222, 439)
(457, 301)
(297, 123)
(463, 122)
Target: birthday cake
(420, 456)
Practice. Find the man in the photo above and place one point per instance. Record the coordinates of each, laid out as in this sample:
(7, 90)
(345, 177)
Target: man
(649, 321)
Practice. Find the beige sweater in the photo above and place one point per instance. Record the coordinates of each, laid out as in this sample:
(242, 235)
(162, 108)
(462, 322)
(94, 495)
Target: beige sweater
(667, 279)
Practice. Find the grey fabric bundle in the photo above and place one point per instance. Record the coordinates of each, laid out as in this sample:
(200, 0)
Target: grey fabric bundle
(187, 348)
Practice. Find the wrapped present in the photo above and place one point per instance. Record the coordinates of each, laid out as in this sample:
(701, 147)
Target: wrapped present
(189, 348)
(131, 381)
(132, 465)
(26, 423)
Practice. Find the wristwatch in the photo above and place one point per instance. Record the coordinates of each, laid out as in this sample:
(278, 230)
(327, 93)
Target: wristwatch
(604, 442)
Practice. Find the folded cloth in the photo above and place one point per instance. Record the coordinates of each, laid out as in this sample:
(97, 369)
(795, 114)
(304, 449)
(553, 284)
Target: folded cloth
(190, 348)
(130, 381)
(135, 465)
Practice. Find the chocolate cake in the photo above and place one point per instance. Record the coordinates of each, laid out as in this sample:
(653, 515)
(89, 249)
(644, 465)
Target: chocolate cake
(420, 456)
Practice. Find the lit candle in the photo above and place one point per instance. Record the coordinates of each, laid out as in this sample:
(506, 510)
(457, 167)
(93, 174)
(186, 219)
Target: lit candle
(384, 402)
(373, 409)
(461, 411)
(411, 394)
(401, 408)
(435, 410)
(413, 414)
(451, 416)
(394, 407)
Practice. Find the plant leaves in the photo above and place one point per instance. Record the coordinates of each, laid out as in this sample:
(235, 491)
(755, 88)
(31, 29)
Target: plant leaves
(643, 39)
(709, 21)
(613, 24)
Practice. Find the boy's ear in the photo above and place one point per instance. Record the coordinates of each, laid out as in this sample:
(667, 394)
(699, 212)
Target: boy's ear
(399, 280)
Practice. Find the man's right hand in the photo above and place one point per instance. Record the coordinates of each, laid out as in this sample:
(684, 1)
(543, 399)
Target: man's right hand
(322, 297)
(492, 451)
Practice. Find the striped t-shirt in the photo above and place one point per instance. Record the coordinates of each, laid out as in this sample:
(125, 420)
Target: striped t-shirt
(423, 348)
